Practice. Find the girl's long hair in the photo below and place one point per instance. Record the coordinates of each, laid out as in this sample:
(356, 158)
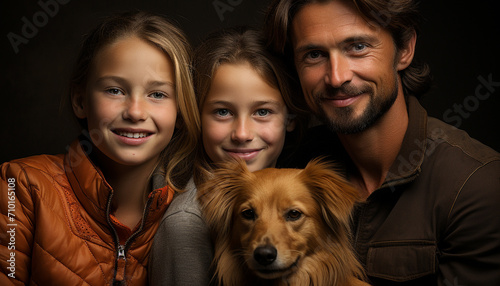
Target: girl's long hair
(177, 158)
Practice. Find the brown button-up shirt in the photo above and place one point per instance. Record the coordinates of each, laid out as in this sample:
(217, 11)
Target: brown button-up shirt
(436, 218)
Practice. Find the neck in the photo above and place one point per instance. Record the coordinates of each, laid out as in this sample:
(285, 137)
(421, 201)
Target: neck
(374, 150)
(130, 184)
(130, 188)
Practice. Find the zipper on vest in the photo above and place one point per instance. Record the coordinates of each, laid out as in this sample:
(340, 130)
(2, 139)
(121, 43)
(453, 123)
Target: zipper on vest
(121, 257)
(121, 261)
(121, 250)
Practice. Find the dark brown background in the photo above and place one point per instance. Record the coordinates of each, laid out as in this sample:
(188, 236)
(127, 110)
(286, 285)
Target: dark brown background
(459, 41)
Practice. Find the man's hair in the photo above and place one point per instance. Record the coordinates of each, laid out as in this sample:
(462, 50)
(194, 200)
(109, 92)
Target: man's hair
(399, 17)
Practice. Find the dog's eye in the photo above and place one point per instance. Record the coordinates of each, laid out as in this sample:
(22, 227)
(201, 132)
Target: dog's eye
(293, 215)
(248, 214)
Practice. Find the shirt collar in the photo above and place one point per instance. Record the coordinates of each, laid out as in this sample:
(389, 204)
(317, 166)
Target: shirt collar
(86, 180)
(92, 190)
(412, 153)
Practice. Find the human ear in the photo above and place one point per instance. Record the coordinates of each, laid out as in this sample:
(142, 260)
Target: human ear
(78, 104)
(406, 53)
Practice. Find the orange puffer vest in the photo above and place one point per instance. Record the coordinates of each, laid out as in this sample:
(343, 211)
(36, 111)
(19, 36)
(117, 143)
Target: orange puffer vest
(56, 227)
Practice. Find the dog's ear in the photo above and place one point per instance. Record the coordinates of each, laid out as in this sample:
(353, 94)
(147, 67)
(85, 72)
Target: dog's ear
(217, 196)
(333, 193)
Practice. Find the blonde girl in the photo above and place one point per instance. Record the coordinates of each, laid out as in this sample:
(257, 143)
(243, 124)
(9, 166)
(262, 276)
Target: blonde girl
(89, 216)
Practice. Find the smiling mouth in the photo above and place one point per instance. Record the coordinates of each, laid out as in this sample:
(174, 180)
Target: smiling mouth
(245, 154)
(342, 96)
(242, 152)
(343, 100)
(133, 135)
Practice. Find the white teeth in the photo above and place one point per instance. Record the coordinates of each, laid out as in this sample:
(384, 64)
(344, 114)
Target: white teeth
(132, 135)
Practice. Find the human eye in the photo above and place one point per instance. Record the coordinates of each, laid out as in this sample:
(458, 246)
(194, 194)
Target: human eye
(263, 112)
(114, 91)
(313, 55)
(222, 112)
(158, 95)
(358, 48)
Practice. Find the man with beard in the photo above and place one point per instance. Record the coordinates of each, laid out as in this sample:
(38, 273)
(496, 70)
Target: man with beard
(431, 214)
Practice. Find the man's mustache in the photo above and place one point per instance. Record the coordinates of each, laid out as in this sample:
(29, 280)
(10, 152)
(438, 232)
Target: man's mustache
(344, 91)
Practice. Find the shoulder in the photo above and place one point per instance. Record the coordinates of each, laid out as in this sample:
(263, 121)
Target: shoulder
(34, 170)
(184, 206)
(459, 157)
(49, 163)
(463, 165)
(452, 139)
(33, 180)
(455, 152)
(183, 221)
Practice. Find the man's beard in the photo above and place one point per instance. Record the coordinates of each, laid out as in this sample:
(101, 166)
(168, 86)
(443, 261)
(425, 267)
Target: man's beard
(343, 123)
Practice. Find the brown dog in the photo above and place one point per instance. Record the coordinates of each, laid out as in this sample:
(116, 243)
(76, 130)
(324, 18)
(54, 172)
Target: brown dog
(281, 226)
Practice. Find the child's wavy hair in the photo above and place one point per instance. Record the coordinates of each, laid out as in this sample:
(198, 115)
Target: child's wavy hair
(178, 157)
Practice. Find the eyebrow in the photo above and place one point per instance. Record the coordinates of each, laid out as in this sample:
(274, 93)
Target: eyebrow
(264, 102)
(213, 102)
(254, 104)
(349, 40)
(156, 83)
(361, 38)
(117, 79)
(123, 81)
(308, 47)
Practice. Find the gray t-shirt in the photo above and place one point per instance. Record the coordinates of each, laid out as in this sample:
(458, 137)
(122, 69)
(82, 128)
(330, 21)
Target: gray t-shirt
(182, 250)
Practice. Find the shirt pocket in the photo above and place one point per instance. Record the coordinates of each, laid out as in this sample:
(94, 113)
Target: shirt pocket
(401, 260)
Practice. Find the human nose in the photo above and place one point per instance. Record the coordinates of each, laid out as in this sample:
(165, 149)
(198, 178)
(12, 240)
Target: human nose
(242, 130)
(135, 109)
(339, 70)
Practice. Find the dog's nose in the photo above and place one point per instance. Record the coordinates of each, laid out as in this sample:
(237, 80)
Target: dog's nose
(265, 255)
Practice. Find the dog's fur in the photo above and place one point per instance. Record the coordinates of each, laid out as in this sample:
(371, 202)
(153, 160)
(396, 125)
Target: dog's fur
(295, 222)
